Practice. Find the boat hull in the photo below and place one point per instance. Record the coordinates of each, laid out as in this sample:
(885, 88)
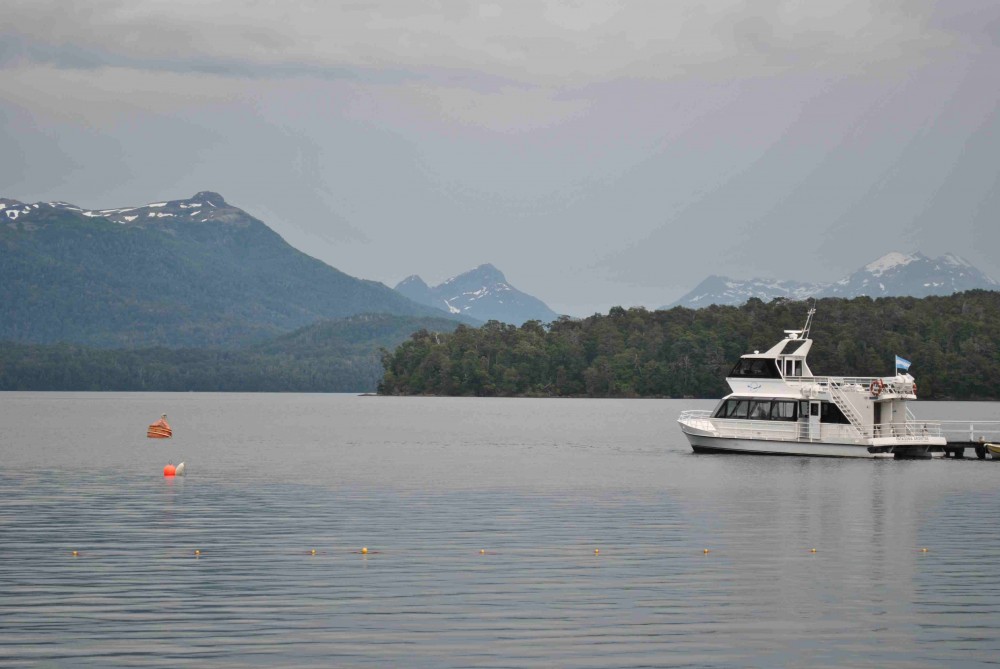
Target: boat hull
(757, 437)
(708, 444)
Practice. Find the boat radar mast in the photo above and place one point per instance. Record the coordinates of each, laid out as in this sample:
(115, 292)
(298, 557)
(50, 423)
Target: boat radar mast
(804, 332)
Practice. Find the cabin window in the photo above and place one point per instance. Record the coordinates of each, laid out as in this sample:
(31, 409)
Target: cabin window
(803, 408)
(738, 408)
(798, 368)
(756, 368)
(831, 413)
(783, 410)
(733, 409)
(760, 410)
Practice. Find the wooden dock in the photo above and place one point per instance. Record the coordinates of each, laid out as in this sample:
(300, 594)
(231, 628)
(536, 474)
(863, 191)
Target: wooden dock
(970, 435)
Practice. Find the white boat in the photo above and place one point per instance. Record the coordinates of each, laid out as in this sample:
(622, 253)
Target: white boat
(778, 407)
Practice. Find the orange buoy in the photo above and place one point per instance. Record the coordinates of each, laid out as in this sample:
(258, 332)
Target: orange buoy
(169, 470)
(160, 429)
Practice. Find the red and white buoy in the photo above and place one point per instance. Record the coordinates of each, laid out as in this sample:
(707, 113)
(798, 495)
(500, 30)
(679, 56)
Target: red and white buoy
(174, 470)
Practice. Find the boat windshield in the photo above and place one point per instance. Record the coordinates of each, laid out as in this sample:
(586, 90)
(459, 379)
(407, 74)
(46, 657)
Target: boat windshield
(756, 368)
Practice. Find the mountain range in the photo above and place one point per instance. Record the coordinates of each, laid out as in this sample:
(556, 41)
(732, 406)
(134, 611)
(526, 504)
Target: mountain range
(893, 275)
(482, 293)
(200, 272)
(197, 272)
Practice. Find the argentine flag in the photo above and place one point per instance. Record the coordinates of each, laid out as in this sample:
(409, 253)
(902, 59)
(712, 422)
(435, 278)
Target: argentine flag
(902, 363)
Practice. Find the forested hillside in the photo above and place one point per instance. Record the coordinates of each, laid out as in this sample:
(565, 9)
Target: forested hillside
(953, 343)
(185, 273)
(331, 356)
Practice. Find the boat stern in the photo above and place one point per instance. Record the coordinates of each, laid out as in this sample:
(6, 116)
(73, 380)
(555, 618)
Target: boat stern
(909, 449)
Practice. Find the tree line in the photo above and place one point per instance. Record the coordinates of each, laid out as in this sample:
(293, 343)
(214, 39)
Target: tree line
(953, 343)
(71, 367)
(328, 356)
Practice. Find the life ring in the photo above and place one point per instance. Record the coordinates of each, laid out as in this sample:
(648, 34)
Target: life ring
(876, 387)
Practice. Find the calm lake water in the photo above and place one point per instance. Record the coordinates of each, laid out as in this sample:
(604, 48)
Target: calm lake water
(426, 484)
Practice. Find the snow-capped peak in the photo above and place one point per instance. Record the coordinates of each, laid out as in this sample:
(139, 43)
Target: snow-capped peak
(889, 261)
(485, 274)
(894, 274)
(481, 293)
(205, 206)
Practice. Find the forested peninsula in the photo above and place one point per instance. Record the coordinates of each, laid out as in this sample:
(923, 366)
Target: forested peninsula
(334, 356)
(953, 343)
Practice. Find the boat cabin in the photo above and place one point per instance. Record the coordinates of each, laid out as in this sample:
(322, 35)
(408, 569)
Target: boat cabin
(782, 409)
(786, 359)
(777, 405)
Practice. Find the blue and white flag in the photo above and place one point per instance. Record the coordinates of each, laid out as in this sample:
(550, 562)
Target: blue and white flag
(902, 363)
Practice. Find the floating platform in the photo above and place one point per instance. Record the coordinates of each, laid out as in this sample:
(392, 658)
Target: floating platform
(956, 449)
(975, 436)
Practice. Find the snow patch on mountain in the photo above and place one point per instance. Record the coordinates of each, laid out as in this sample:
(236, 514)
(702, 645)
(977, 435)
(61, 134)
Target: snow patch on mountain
(952, 259)
(887, 262)
(220, 210)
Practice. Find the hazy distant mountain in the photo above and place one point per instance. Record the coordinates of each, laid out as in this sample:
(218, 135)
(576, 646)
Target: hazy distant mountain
(194, 272)
(892, 275)
(414, 288)
(482, 293)
(723, 290)
(915, 275)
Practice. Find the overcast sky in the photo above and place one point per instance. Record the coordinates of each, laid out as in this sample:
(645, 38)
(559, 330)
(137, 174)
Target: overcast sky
(599, 153)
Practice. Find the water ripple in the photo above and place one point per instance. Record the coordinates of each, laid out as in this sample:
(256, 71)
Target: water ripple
(481, 542)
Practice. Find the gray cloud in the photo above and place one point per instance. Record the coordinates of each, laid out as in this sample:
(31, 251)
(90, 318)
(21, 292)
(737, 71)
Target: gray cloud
(599, 153)
(532, 41)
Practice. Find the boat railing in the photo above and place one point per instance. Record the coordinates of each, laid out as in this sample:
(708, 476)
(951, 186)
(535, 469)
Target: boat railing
(742, 428)
(910, 430)
(694, 414)
(739, 428)
(970, 431)
(860, 381)
(855, 383)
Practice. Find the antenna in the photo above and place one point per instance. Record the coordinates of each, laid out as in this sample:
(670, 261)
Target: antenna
(809, 319)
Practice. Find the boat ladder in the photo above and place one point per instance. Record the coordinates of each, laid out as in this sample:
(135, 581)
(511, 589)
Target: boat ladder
(837, 395)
